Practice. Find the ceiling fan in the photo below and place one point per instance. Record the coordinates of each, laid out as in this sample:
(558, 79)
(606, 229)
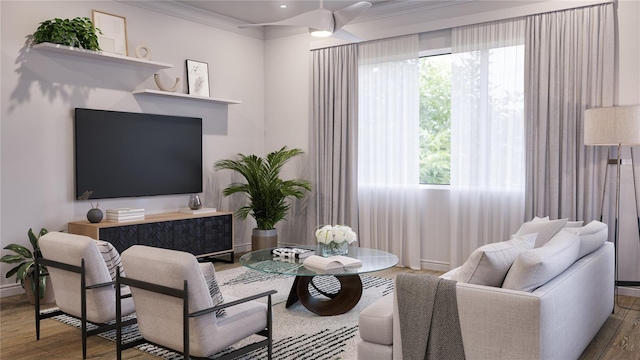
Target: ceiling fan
(322, 22)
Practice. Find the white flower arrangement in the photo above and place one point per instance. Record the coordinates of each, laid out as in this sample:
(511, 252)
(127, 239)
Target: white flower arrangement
(335, 233)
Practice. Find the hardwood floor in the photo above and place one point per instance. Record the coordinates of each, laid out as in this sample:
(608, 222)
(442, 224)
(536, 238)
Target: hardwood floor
(57, 340)
(619, 338)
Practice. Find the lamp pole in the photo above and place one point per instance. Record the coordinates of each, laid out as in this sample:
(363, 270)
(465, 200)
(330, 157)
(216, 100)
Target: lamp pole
(617, 228)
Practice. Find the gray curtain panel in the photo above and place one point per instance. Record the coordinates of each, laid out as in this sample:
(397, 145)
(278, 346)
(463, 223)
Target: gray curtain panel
(333, 143)
(569, 67)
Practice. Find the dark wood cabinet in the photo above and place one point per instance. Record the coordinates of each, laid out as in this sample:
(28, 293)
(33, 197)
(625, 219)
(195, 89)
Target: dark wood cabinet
(203, 235)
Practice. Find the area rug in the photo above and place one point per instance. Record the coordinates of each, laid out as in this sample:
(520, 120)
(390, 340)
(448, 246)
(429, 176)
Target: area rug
(298, 333)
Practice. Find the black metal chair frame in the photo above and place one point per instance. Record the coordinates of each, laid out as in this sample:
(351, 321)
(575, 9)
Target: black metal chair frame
(184, 295)
(83, 300)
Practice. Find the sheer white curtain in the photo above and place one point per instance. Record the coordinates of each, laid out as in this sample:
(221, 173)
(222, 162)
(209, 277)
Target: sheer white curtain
(388, 158)
(487, 135)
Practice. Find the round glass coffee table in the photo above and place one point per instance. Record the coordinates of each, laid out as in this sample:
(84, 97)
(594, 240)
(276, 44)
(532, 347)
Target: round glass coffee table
(330, 303)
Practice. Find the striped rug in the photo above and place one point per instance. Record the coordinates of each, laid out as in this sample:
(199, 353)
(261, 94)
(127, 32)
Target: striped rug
(298, 334)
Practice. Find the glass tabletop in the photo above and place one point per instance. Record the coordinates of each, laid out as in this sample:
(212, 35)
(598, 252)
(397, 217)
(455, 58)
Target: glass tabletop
(263, 260)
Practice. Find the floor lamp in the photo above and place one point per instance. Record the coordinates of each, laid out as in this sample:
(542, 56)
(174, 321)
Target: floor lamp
(614, 126)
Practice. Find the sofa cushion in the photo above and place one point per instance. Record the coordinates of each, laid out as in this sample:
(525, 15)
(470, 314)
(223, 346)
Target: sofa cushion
(533, 268)
(375, 323)
(545, 229)
(209, 273)
(592, 236)
(488, 264)
(372, 351)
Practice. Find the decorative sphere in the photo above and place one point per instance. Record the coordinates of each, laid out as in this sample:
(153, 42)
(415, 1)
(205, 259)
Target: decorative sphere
(94, 215)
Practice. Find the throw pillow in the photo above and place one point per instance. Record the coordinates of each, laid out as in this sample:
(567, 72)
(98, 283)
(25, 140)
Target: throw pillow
(111, 257)
(592, 236)
(534, 268)
(545, 229)
(535, 218)
(574, 224)
(567, 225)
(209, 273)
(488, 264)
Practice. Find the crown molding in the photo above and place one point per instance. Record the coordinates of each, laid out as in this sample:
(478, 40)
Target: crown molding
(377, 12)
(384, 19)
(397, 8)
(200, 16)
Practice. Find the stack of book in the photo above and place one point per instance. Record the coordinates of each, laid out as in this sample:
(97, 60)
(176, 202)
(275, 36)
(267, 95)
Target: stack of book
(125, 214)
(291, 252)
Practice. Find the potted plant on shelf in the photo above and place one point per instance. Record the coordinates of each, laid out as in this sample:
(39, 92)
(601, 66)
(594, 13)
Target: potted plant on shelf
(78, 32)
(266, 191)
(25, 269)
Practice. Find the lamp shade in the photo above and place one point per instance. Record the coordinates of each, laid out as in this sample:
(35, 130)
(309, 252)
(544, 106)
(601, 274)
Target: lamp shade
(611, 126)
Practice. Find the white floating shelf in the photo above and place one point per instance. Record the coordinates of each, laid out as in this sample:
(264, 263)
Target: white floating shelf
(185, 96)
(99, 55)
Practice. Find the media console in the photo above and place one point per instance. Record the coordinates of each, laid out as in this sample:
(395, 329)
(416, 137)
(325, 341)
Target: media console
(203, 235)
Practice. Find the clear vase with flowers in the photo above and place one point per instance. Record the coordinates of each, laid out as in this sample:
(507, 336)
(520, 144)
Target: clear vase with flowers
(335, 239)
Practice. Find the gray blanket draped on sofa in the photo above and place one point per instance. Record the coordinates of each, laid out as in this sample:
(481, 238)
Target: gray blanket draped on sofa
(428, 314)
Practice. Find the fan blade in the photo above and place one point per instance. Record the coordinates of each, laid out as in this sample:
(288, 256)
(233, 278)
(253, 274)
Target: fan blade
(343, 34)
(319, 19)
(344, 16)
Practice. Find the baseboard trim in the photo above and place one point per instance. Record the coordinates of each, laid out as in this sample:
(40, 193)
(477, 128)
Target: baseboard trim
(242, 248)
(628, 291)
(434, 265)
(11, 290)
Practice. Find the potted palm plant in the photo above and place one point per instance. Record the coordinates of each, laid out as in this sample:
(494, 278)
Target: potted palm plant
(25, 268)
(266, 191)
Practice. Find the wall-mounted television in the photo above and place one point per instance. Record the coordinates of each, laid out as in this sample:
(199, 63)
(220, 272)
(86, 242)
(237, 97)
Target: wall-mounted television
(123, 154)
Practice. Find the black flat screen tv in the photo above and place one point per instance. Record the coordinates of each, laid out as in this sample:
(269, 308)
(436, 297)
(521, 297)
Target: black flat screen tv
(122, 154)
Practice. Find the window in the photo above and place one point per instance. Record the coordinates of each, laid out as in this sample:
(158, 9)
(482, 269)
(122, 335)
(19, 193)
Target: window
(435, 119)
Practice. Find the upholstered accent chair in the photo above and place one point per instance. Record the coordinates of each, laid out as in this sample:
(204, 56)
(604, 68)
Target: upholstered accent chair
(82, 282)
(176, 309)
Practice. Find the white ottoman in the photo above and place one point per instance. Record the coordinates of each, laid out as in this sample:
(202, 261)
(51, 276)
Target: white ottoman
(376, 330)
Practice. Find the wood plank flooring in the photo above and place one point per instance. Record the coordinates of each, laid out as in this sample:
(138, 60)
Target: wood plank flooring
(619, 338)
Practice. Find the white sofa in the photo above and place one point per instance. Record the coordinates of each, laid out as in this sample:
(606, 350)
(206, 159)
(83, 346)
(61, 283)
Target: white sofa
(555, 321)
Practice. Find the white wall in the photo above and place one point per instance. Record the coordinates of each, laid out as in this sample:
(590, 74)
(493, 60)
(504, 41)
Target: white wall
(628, 93)
(39, 91)
(435, 247)
(286, 118)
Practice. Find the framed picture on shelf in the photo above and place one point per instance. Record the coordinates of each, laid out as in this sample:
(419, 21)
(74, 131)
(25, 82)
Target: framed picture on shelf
(198, 78)
(114, 32)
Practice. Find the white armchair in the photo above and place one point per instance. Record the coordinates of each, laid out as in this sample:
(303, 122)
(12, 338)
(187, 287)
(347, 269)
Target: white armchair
(175, 308)
(82, 283)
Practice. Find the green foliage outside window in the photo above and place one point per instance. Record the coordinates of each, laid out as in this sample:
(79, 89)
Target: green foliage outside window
(435, 119)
